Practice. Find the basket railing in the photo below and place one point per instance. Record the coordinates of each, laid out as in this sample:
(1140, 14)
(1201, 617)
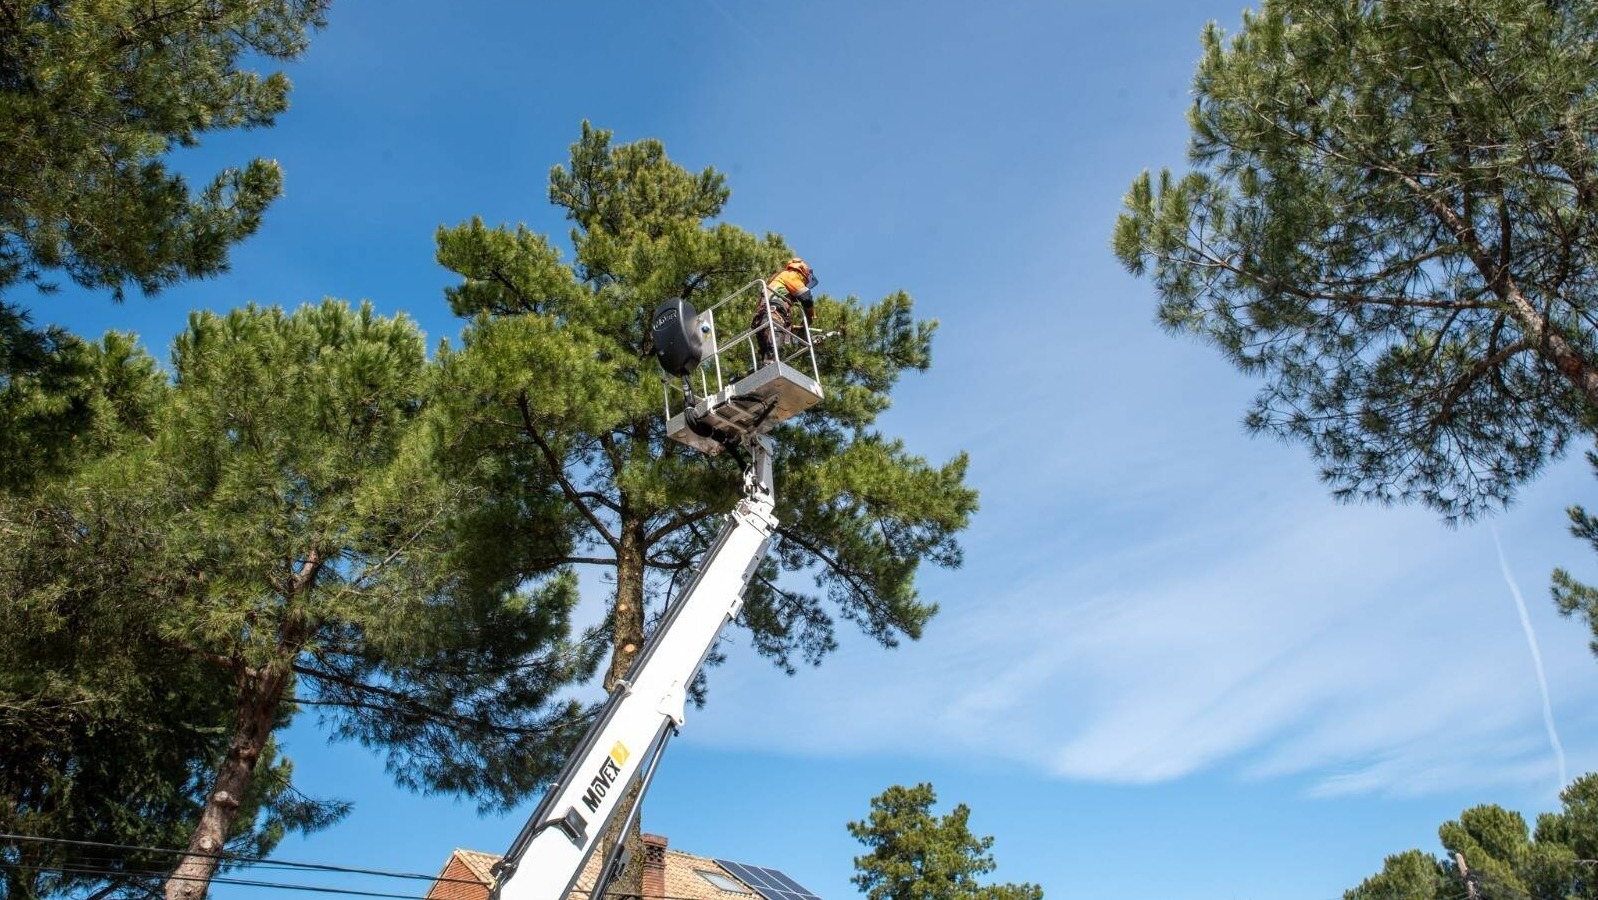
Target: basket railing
(728, 361)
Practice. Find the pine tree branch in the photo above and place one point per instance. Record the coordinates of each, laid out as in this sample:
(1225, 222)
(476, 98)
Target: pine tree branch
(856, 583)
(426, 712)
(601, 499)
(663, 564)
(372, 571)
(575, 560)
(134, 34)
(608, 444)
(306, 576)
(559, 472)
(401, 703)
(682, 520)
(1462, 384)
(499, 275)
(1214, 261)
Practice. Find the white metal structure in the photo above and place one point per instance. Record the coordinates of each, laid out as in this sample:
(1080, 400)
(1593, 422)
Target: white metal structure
(735, 394)
(626, 742)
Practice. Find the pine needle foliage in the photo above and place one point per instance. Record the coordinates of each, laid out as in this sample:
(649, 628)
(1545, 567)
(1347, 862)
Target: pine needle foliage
(105, 734)
(93, 96)
(918, 855)
(285, 525)
(1504, 859)
(555, 383)
(1391, 219)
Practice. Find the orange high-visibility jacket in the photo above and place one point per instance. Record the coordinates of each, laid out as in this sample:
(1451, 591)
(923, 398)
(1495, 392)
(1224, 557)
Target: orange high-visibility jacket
(789, 284)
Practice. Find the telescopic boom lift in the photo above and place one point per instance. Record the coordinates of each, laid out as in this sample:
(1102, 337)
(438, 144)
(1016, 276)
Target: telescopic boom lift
(644, 710)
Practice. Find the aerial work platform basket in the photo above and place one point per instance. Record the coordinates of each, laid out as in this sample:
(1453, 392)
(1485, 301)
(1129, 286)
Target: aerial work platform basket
(729, 393)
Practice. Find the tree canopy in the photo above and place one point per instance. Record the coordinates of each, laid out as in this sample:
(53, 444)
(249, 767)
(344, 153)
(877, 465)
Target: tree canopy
(1393, 218)
(105, 735)
(286, 528)
(93, 96)
(555, 383)
(1503, 859)
(555, 394)
(94, 99)
(917, 855)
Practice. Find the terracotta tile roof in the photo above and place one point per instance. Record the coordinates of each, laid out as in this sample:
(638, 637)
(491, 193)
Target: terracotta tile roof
(481, 864)
(683, 881)
(464, 877)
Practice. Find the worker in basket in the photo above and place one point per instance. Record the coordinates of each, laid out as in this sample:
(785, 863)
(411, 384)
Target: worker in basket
(791, 284)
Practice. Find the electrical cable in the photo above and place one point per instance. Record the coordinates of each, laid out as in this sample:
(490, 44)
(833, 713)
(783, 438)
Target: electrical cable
(249, 861)
(112, 874)
(221, 879)
(235, 859)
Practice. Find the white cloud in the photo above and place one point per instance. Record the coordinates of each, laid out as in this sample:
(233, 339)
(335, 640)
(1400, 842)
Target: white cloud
(1361, 649)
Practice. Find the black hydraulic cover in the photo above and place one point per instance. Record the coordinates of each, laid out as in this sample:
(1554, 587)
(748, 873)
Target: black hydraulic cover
(678, 344)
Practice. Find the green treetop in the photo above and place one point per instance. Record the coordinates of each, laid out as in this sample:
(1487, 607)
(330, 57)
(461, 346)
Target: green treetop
(1502, 859)
(94, 96)
(1392, 218)
(556, 395)
(286, 527)
(916, 855)
(555, 383)
(1411, 875)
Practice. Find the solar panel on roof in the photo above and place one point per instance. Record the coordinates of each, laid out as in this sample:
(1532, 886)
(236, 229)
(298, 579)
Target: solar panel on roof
(769, 883)
(787, 882)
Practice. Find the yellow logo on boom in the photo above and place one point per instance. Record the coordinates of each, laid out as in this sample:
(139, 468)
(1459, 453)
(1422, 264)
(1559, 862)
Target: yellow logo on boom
(608, 770)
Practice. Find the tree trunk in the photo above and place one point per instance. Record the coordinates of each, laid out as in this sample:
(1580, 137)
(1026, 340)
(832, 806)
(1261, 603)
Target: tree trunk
(628, 617)
(260, 697)
(1555, 348)
(1552, 345)
(627, 643)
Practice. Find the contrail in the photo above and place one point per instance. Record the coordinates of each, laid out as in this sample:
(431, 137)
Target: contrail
(1536, 657)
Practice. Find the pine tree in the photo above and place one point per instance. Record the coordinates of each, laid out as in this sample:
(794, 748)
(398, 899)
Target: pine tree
(555, 385)
(1390, 218)
(916, 855)
(1504, 860)
(105, 735)
(1411, 875)
(288, 528)
(93, 99)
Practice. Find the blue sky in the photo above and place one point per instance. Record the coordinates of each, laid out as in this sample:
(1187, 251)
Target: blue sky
(1171, 667)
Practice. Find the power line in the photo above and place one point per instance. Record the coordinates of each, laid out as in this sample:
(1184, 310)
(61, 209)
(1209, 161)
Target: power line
(131, 874)
(236, 859)
(108, 872)
(218, 879)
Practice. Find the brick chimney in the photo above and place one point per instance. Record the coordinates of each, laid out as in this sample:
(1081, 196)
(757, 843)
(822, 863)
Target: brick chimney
(654, 867)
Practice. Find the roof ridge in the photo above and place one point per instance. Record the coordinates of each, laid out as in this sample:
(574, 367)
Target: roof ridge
(479, 862)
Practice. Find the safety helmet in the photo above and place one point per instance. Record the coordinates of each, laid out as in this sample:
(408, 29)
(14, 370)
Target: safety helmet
(803, 268)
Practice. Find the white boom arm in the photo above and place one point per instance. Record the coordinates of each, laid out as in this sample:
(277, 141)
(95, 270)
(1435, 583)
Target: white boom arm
(643, 711)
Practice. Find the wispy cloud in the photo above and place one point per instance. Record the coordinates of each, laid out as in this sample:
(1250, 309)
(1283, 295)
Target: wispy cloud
(1289, 637)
